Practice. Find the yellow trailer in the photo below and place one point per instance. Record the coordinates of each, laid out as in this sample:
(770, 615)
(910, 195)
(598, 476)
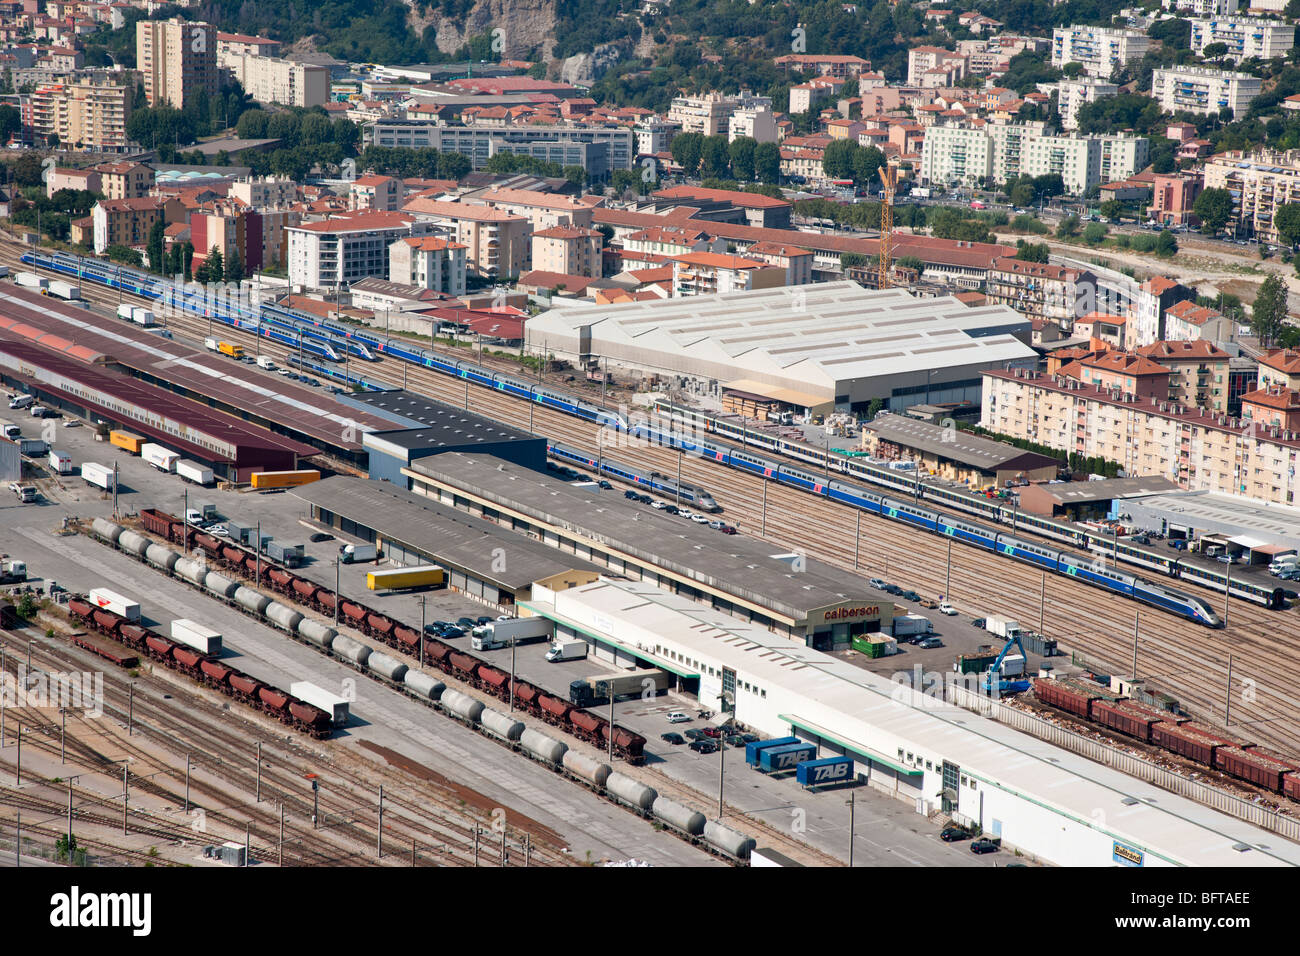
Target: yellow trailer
(425, 576)
(284, 479)
(127, 441)
(229, 348)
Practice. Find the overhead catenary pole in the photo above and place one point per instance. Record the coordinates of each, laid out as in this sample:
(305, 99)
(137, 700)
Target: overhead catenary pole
(611, 725)
(1137, 617)
(338, 596)
(187, 783)
(379, 830)
(852, 808)
(126, 796)
(259, 771)
(1227, 696)
(947, 580)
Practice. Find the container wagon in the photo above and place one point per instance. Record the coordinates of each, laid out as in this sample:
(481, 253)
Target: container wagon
(824, 772)
(785, 757)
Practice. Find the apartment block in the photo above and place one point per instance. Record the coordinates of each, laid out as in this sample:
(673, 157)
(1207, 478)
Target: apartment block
(956, 154)
(74, 179)
(654, 133)
(265, 190)
(270, 80)
(1173, 197)
(568, 250)
(1191, 446)
(1098, 49)
(543, 210)
(87, 114)
(1204, 90)
(598, 149)
(428, 262)
(797, 263)
(1203, 8)
(756, 122)
(1244, 37)
(126, 222)
(922, 59)
(496, 242)
(230, 227)
(805, 96)
(1259, 182)
(239, 44)
(176, 59)
(1280, 367)
(824, 64)
(1040, 290)
(1198, 372)
(335, 252)
(124, 180)
(706, 273)
(1071, 94)
(375, 193)
(1189, 322)
(710, 114)
(1275, 407)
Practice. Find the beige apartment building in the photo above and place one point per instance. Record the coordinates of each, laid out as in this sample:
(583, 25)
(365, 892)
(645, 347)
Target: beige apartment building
(1280, 367)
(1040, 290)
(543, 210)
(496, 243)
(709, 273)
(568, 250)
(88, 114)
(1198, 372)
(176, 59)
(126, 222)
(124, 180)
(1260, 183)
(428, 262)
(1194, 447)
(268, 79)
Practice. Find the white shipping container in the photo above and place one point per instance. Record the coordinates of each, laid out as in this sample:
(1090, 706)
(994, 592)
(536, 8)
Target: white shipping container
(332, 704)
(112, 601)
(164, 459)
(97, 475)
(30, 280)
(193, 471)
(61, 462)
(910, 624)
(126, 312)
(195, 635)
(64, 290)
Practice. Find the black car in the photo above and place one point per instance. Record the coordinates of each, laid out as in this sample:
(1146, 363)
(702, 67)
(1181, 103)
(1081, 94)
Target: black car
(750, 738)
(704, 746)
(451, 632)
(984, 845)
(893, 589)
(910, 596)
(645, 499)
(631, 495)
(672, 738)
(735, 740)
(671, 509)
(953, 834)
(977, 621)
(604, 484)
(694, 733)
(466, 622)
(485, 619)
(320, 536)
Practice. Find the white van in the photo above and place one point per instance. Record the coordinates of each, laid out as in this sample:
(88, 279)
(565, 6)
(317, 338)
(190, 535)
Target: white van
(265, 361)
(21, 401)
(1284, 562)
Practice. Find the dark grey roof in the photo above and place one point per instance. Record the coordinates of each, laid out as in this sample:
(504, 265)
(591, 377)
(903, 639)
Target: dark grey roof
(733, 564)
(1083, 492)
(955, 445)
(427, 423)
(449, 536)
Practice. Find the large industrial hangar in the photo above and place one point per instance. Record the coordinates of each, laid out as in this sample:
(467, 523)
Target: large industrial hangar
(234, 449)
(820, 348)
(800, 598)
(482, 559)
(1040, 799)
(297, 412)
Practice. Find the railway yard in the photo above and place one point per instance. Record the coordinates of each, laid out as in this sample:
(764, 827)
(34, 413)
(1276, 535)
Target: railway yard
(452, 796)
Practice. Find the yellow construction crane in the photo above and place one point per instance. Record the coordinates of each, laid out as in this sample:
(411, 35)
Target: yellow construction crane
(888, 176)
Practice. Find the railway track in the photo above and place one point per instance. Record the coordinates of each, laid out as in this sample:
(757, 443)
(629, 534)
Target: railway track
(1174, 655)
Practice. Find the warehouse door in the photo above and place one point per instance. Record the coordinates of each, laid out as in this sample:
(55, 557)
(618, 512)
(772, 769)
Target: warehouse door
(951, 786)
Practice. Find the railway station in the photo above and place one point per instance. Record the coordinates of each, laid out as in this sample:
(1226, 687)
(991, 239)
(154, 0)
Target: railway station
(813, 349)
(306, 415)
(430, 427)
(233, 448)
(482, 559)
(1041, 799)
(798, 597)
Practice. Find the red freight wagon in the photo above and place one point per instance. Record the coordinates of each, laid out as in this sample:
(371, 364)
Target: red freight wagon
(187, 658)
(325, 600)
(1067, 698)
(1111, 714)
(1261, 767)
(119, 658)
(587, 726)
(436, 651)
(355, 612)
(304, 590)
(106, 621)
(282, 581)
(1189, 740)
(316, 719)
(526, 695)
(408, 637)
(462, 663)
(160, 646)
(274, 700)
(80, 608)
(244, 684)
(207, 543)
(217, 673)
(554, 710)
(1291, 784)
(495, 682)
(157, 522)
(133, 634)
(232, 554)
(379, 625)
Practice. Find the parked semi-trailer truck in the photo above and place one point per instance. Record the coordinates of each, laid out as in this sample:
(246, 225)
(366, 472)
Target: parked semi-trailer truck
(592, 691)
(394, 579)
(164, 459)
(60, 462)
(192, 471)
(97, 475)
(522, 630)
(356, 553)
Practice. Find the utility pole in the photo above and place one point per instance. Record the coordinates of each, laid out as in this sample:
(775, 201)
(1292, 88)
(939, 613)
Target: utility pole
(1042, 602)
(63, 735)
(722, 764)
(947, 581)
(338, 598)
(679, 477)
(514, 642)
(187, 784)
(1137, 616)
(185, 534)
(422, 632)
(257, 551)
(130, 708)
(611, 726)
(115, 489)
(281, 833)
(852, 808)
(259, 772)
(379, 831)
(126, 796)
(1227, 696)
(1227, 594)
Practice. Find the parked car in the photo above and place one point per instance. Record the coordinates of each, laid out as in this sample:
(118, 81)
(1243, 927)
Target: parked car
(948, 609)
(910, 596)
(320, 536)
(750, 738)
(734, 740)
(604, 484)
(954, 833)
(878, 583)
(220, 530)
(727, 529)
(694, 733)
(928, 643)
(893, 589)
(677, 717)
(977, 621)
(713, 732)
(485, 619)
(984, 845)
(672, 738)
(466, 622)
(700, 519)
(631, 495)
(660, 505)
(704, 746)
(671, 509)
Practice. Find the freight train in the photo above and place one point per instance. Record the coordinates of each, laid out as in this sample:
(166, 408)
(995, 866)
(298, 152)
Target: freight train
(205, 669)
(302, 324)
(591, 728)
(474, 671)
(1200, 744)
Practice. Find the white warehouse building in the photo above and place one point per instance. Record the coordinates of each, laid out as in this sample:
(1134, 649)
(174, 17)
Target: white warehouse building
(1038, 798)
(833, 346)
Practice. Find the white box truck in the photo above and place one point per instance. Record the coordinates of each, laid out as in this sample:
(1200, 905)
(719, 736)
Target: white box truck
(64, 290)
(195, 635)
(1002, 626)
(266, 362)
(212, 344)
(193, 472)
(164, 459)
(30, 280)
(126, 312)
(910, 625)
(97, 475)
(567, 651)
(354, 553)
(141, 316)
(112, 601)
(332, 704)
(60, 462)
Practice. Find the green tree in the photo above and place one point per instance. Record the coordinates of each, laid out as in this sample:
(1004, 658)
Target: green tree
(1213, 207)
(1166, 244)
(187, 260)
(1022, 194)
(1072, 70)
(1032, 251)
(576, 175)
(1214, 51)
(1269, 314)
(216, 267)
(1068, 227)
(1111, 209)
(1094, 233)
(741, 151)
(687, 149)
(1287, 221)
(715, 157)
(154, 247)
(866, 164)
(234, 267)
(767, 163)
(837, 159)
